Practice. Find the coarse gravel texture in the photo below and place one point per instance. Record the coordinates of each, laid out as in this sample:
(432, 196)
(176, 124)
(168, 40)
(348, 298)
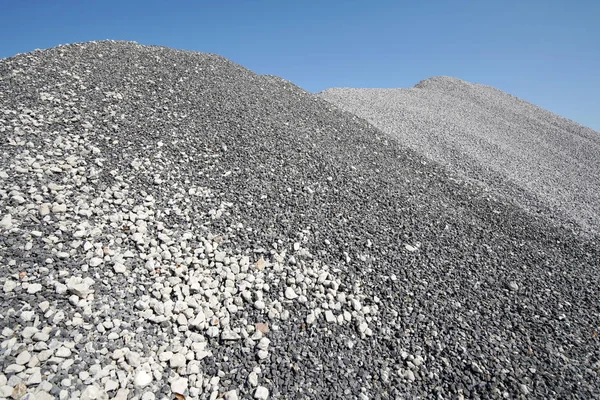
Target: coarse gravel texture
(546, 163)
(173, 223)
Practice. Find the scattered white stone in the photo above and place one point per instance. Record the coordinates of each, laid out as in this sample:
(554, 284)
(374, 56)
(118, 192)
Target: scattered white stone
(59, 208)
(6, 222)
(410, 248)
(63, 352)
(93, 392)
(179, 385)
(231, 395)
(263, 344)
(111, 385)
(14, 369)
(261, 393)
(220, 256)
(122, 394)
(329, 317)
(23, 358)
(290, 294)
(9, 285)
(177, 360)
(80, 286)
(253, 378)
(35, 378)
(33, 288)
(44, 209)
(142, 379)
(230, 335)
(119, 268)
(95, 261)
(43, 395)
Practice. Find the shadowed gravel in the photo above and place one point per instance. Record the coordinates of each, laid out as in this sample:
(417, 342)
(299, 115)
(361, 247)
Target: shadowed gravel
(172, 223)
(546, 163)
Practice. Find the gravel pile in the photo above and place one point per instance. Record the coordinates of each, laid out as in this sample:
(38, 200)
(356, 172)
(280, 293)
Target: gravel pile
(546, 163)
(173, 225)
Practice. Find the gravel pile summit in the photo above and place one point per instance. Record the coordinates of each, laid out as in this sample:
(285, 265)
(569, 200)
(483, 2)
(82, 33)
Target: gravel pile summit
(173, 225)
(549, 164)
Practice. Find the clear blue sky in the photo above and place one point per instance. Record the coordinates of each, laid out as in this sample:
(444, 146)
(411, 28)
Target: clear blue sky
(544, 51)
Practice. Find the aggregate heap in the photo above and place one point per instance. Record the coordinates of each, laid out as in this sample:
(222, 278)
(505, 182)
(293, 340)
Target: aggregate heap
(173, 224)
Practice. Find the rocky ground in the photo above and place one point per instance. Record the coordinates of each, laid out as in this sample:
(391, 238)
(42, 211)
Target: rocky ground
(173, 225)
(545, 163)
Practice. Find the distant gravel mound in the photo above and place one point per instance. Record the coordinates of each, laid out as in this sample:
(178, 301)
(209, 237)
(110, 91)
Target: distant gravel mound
(547, 163)
(173, 224)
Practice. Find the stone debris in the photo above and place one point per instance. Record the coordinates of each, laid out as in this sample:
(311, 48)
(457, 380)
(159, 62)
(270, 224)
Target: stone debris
(173, 224)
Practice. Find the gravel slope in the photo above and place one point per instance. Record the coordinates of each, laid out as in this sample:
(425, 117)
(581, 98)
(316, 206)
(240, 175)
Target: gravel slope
(518, 150)
(172, 223)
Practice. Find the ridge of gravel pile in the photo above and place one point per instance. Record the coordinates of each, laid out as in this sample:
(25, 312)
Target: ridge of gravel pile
(547, 163)
(175, 225)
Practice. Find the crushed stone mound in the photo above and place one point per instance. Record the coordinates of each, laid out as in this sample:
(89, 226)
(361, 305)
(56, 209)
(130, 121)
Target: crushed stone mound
(546, 163)
(174, 224)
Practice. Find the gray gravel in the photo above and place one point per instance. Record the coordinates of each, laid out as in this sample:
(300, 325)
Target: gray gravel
(546, 163)
(172, 223)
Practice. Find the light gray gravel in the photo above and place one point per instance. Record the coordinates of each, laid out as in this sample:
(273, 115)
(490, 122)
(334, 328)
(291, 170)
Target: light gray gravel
(545, 163)
(172, 222)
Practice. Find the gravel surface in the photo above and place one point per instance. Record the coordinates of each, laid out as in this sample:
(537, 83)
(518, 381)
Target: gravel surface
(548, 164)
(174, 224)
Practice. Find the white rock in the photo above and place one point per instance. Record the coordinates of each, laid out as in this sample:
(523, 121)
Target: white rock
(133, 358)
(111, 385)
(5, 391)
(63, 352)
(148, 396)
(44, 209)
(329, 317)
(80, 286)
(23, 358)
(290, 294)
(122, 394)
(44, 305)
(179, 385)
(220, 256)
(18, 199)
(253, 378)
(9, 286)
(59, 208)
(43, 395)
(259, 305)
(93, 392)
(6, 222)
(362, 327)
(29, 331)
(263, 344)
(35, 378)
(119, 268)
(95, 261)
(34, 288)
(410, 248)
(165, 356)
(228, 334)
(178, 360)
(142, 379)
(261, 393)
(231, 395)
(14, 369)
(262, 354)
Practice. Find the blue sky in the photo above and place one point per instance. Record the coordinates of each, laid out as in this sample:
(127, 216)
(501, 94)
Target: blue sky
(546, 52)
